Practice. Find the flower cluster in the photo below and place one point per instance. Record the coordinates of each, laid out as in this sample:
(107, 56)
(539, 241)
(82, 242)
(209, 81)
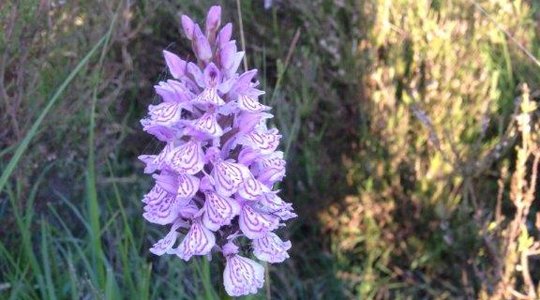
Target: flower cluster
(216, 172)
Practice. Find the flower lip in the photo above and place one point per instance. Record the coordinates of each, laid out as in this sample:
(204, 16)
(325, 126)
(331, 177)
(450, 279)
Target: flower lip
(271, 248)
(242, 276)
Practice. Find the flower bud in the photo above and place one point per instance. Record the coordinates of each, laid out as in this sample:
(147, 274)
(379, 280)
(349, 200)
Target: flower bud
(188, 25)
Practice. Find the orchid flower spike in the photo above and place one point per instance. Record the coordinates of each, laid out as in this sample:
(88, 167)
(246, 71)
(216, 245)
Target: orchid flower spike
(217, 172)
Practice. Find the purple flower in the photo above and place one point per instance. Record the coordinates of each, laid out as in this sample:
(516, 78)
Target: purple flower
(242, 276)
(271, 248)
(217, 172)
(198, 241)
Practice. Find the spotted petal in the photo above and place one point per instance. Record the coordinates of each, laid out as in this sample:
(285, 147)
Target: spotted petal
(165, 244)
(187, 158)
(161, 159)
(198, 241)
(156, 194)
(188, 185)
(255, 224)
(242, 276)
(250, 104)
(219, 210)
(265, 141)
(228, 176)
(272, 204)
(161, 206)
(251, 188)
(208, 124)
(209, 96)
(165, 114)
(271, 168)
(271, 248)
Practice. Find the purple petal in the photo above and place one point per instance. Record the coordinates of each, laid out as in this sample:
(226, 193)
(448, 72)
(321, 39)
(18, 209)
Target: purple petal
(188, 185)
(177, 66)
(244, 81)
(208, 125)
(165, 114)
(227, 54)
(251, 188)
(198, 241)
(148, 160)
(167, 181)
(228, 109)
(219, 211)
(247, 121)
(209, 96)
(182, 93)
(213, 19)
(212, 75)
(196, 74)
(247, 156)
(226, 85)
(206, 184)
(242, 276)
(224, 35)
(163, 133)
(174, 91)
(271, 168)
(228, 176)
(165, 244)
(163, 156)
(271, 248)
(187, 158)
(188, 211)
(167, 93)
(266, 142)
(237, 60)
(161, 207)
(155, 195)
(255, 224)
(250, 104)
(188, 25)
(272, 204)
(201, 46)
(229, 248)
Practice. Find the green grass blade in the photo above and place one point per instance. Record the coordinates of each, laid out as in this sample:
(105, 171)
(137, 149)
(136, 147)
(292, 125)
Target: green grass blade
(91, 187)
(45, 260)
(33, 130)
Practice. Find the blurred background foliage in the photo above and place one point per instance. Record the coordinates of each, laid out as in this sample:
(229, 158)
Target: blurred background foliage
(410, 128)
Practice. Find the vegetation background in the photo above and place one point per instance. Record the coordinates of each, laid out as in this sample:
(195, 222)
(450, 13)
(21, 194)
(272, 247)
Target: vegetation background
(410, 129)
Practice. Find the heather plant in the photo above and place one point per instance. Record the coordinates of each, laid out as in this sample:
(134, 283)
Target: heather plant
(219, 165)
(515, 241)
(441, 110)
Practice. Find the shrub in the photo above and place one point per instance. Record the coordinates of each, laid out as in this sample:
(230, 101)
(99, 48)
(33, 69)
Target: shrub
(441, 125)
